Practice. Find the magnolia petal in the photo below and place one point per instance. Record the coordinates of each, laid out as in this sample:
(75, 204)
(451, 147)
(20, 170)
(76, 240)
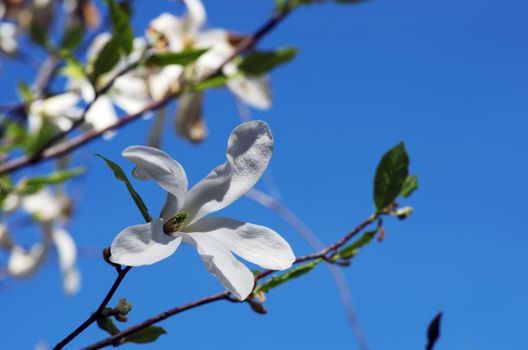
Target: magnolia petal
(67, 253)
(257, 244)
(163, 82)
(61, 105)
(195, 18)
(101, 115)
(189, 119)
(155, 164)
(219, 261)
(43, 205)
(143, 244)
(167, 32)
(219, 50)
(130, 92)
(249, 150)
(254, 91)
(23, 263)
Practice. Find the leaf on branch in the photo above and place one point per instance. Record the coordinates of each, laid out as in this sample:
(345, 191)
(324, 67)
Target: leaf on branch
(24, 91)
(433, 331)
(34, 142)
(351, 250)
(212, 83)
(390, 176)
(276, 281)
(121, 29)
(145, 335)
(107, 59)
(260, 62)
(107, 325)
(181, 58)
(72, 38)
(36, 183)
(409, 186)
(38, 34)
(120, 175)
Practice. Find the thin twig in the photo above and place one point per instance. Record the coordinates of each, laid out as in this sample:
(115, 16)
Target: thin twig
(98, 313)
(70, 145)
(225, 295)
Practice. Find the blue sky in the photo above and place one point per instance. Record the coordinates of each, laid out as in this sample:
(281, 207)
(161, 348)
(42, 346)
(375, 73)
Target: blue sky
(449, 78)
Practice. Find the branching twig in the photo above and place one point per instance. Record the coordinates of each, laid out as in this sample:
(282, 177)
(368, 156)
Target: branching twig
(121, 273)
(225, 295)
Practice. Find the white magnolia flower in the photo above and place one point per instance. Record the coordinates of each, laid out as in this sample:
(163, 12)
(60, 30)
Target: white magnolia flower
(59, 111)
(171, 33)
(184, 215)
(48, 209)
(129, 91)
(8, 42)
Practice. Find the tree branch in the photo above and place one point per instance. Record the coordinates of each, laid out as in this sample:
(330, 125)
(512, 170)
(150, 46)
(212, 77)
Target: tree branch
(70, 145)
(98, 313)
(225, 295)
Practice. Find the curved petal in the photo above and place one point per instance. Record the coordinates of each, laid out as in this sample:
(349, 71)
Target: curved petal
(130, 92)
(255, 91)
(155, 164)
(249, 150)
(171, 29)
(67, 251)
(143, 245)
(163, 82)
(101, 115)
(257, 244)
(195, 18)
(189, 119)
(23, 263)
(219, 261)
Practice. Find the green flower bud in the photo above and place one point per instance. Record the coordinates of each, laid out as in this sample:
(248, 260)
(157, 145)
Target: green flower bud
(175, 224)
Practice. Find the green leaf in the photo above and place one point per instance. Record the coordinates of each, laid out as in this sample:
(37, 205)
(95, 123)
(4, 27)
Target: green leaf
(72, 68)
(182, 58)
(72, 38)
(276, 281)
(38, 34)
(145, 335)
(34, 142)
(351, 250)
(24, 91)
(107, 59)
(120, 175)
(260, 62)
(390, 176)
(212, 83)
(107, 325)
(121, 29)
(36, 183)
(409, 186)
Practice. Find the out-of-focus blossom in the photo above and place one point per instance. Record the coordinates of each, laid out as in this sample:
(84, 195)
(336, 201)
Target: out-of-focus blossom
(184, 215)
(59, 111)
(8, 42)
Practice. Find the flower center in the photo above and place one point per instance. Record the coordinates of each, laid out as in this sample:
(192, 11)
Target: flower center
(175, 224)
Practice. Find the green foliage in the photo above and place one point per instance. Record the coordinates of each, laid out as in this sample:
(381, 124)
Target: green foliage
(182, 58)
(260, 62)
(33, 143)
(212, 83)
(409, 186)
(107, 59)
(72, 37)
(122, 32)
(14, 136)
(276, 281)
(145, 335)
(120, 175)
(391, 173)
(24, 91)
(35, 184)
(72, 67)
(351, 250)
(38, 34)
(107, 324)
